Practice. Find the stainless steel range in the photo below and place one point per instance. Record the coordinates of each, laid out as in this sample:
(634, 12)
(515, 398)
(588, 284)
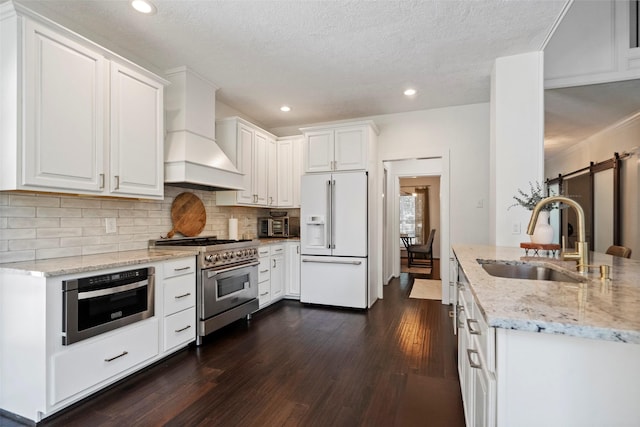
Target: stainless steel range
(226, 279)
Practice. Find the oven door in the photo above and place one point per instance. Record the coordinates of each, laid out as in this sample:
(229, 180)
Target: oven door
(87, 313)
(226, 288)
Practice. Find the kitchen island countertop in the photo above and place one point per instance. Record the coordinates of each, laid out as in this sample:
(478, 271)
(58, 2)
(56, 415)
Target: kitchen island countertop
(81, 264)
(596, 309)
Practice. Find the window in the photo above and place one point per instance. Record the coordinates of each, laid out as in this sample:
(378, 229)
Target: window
(408, 215)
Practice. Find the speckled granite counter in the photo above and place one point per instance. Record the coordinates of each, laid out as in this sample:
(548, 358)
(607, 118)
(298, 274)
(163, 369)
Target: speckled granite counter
(605, 310)
(272, 240)
(81, 264)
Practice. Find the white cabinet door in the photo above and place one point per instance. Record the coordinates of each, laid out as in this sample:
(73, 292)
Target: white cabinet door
(297, 170)
(319, 153)
(245, 163)
(260, 180)
(277, 276)
(272, 173)
(293, 278)
(285, 173)
(350, 148)
(136, 134)
(64, 109)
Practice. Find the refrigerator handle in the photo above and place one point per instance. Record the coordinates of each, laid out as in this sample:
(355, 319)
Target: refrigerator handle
(333, 200)
(329, 210)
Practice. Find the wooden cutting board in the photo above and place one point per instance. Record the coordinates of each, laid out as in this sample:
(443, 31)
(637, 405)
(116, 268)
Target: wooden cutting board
(188, 215)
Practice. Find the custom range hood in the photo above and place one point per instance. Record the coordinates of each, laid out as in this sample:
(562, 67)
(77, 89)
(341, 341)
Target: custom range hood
(192, 157)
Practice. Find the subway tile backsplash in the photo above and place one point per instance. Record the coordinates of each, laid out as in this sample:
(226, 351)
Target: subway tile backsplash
(41, 226)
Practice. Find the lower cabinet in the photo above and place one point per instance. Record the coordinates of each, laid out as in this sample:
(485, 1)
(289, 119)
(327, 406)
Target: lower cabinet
(40, 375)
(292, 290)
(81, 367)
(278, 272)
(476, 360)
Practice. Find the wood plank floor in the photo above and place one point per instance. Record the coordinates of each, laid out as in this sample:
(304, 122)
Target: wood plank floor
(296, 365)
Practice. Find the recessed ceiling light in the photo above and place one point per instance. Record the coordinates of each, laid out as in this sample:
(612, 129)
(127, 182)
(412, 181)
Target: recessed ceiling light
(144, 6)
(410, 92)
(285, 108)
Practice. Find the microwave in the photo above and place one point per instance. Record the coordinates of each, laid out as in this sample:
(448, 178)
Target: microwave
(283, 226)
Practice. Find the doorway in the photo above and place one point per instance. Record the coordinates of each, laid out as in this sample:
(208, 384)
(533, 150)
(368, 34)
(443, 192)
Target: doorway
(419, 215)
(436, 168)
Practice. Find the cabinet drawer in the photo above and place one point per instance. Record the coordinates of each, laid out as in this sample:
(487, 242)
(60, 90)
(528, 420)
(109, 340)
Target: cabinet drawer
(87, 364)
(179, 328)
(179, 267)
(277, 249)
(264, 293)
(179, 293)
(264, 270)
(264, 251)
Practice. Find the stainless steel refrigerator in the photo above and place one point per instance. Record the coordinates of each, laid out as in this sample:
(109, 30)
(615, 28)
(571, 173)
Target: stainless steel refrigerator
(333, 239)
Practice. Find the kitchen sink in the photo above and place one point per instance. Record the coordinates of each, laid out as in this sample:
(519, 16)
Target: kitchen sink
(525, 271)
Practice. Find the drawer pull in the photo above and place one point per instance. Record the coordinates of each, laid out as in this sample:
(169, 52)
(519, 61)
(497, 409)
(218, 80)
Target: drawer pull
(266, 293)
(471, 362)
(264, 271)
(183, 295)
(182, 268)
(471, 330)
(278, 250)
(182, 329)
(124, 353)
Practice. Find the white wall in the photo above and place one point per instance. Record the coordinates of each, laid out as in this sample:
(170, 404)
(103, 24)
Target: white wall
(517, 141)
(461, 132)
(622, 137)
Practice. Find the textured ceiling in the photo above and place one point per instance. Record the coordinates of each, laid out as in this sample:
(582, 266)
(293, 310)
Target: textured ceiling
(328, 60)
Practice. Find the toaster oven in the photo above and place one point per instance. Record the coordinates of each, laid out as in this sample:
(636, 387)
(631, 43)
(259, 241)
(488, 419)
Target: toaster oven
(279, 227)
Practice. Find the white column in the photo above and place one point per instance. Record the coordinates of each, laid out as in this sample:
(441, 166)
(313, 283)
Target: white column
(517, 142)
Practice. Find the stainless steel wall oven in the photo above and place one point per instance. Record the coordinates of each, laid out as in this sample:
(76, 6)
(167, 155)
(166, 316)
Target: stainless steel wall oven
(97, 304)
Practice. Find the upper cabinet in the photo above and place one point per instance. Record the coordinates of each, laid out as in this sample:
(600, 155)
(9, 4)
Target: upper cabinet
(339, 148)
(252, 151)
(75, 117)
(610, 52)
(289, 171)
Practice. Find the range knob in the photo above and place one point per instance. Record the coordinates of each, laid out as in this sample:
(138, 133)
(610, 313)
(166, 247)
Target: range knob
(239, 254)
(208, 258)
(225, 255)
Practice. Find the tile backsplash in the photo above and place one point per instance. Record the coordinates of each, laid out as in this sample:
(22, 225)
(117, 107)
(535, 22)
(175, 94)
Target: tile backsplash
(40, 226)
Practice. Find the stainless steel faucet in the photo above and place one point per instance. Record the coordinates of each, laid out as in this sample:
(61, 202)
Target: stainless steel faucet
(581, 255)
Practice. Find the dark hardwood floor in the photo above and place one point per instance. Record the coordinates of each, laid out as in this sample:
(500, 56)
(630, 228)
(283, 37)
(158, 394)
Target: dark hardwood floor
(296, 365)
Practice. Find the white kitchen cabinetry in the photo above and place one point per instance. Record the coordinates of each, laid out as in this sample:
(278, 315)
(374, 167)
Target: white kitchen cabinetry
(284, 171)
(41, 376)
(278, 272)
(476, 360)
(76, 118)
(271, 273)
(272, 173)
(339, 148)
(292, 290)
(264, 276)
(248, 147)
(179, 302)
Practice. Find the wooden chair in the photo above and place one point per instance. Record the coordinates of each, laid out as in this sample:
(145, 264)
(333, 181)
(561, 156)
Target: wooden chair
(620, 251)
(424, 251)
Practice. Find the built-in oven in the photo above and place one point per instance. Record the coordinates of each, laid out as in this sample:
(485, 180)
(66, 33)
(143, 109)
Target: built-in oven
(97, 304)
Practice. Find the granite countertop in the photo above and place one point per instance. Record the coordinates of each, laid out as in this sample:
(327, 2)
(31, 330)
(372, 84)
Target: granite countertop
(81, 264)
(271, 240)
(597, 309)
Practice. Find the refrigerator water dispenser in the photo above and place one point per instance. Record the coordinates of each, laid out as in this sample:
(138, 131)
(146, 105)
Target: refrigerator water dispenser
(316, 231)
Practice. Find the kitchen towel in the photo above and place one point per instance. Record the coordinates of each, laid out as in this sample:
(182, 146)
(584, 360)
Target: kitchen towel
(233, 228)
